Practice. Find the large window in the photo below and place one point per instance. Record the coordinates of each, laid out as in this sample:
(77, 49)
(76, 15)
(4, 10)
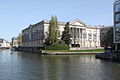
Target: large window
(117, 7)
(117, 17)
(117, 32)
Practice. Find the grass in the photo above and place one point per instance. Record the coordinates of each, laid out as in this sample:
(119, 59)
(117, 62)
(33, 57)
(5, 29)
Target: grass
(92, 50)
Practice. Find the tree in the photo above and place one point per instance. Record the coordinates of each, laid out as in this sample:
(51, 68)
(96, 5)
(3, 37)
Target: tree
(108, 38)
(66, 34)
(19, 39)
(53, 31)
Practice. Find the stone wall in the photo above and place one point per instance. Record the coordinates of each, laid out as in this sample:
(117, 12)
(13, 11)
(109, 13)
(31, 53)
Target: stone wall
(27, 49)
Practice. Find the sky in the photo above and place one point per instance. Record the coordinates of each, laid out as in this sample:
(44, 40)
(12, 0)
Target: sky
(16, 15)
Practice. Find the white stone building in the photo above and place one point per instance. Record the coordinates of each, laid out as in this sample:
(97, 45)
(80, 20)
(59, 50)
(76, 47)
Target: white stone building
(4, 44)
(84, 35)
(14, 42)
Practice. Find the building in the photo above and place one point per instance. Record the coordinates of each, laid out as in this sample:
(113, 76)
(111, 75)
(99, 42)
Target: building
(117, 21)
(4, 44)
(117, 24)
(14, 42)
(84, 35)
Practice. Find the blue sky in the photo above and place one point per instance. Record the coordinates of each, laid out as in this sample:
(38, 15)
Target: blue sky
(16, 15)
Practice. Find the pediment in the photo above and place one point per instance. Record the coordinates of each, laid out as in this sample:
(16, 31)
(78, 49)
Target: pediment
(77, 23)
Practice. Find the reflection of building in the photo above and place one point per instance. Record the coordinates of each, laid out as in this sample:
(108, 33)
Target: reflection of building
(117, 21)
(4, 44)
(103, 32)
(82, 34)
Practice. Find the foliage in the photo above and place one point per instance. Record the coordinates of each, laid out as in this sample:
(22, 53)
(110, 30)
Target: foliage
(57, 46)
(66, 34)
(53, 31)
(40, 48)
(108, 38)
(19, 38)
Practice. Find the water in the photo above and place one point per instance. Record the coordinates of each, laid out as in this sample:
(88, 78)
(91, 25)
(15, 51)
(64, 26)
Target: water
(30, 66)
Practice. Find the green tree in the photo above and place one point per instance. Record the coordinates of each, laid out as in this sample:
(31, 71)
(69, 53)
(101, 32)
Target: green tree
(53, 31)
(108, 38)
(66, 34)
(19, 39)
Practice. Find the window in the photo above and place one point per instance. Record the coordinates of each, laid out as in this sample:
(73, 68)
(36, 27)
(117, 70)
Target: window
(84, 36)
(117, 17)
(117, 28)
(95, 37)
(117, 7)
(90, 36)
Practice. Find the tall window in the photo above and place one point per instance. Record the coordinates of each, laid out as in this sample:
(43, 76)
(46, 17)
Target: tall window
(90, 36)
(84, 35)
(95, 37)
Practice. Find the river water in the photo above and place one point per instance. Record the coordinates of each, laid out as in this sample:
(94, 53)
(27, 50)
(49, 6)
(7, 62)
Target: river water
(31, 66)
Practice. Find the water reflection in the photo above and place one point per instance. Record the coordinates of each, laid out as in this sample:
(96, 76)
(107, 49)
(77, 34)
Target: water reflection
(30, 66)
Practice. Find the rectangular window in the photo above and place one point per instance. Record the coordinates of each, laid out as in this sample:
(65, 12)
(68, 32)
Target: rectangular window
(117, 17)
(90, 36)
(95, 37)
(117, 7)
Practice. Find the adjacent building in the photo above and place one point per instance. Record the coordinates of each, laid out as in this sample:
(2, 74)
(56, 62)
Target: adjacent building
(84, 35)
(14, 42)
(117, 21)
(117, 24)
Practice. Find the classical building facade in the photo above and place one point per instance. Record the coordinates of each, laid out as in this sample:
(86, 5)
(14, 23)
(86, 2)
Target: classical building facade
(84, 35)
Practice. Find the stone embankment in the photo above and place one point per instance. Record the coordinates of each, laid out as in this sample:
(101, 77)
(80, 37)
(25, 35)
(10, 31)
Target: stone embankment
(104, 56)
(69, 53)
(113, 55)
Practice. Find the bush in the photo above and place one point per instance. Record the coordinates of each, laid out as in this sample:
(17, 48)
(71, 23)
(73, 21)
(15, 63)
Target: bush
(40, 48)
(57, 46)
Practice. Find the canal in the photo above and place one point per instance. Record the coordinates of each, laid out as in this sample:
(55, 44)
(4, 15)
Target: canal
(30, 66)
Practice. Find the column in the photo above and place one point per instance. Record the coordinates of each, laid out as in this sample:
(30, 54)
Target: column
(81, 33)
(78, 33)
(75, 33)
(72, 34)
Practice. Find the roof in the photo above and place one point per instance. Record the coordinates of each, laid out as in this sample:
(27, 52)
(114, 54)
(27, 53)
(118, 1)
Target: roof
(75, 22)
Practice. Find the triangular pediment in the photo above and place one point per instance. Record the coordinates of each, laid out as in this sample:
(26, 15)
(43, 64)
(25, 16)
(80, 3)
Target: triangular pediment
(77, 23)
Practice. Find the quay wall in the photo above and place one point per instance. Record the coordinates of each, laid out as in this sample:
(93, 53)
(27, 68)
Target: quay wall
(28, 49)
(109, 55)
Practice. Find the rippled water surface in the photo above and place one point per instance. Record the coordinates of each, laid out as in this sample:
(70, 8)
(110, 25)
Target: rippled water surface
(31, 66)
